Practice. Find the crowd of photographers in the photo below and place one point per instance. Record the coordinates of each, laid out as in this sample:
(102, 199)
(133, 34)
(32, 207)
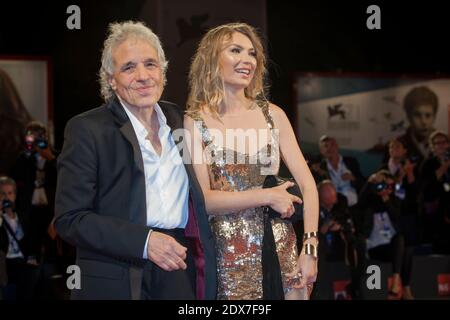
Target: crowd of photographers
(398, 211)
(33, 259)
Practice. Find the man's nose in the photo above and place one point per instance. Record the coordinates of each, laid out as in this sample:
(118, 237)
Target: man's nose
(141, 73)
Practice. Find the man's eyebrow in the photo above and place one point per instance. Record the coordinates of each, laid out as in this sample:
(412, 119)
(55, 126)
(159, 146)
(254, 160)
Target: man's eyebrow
(151, 60)
(127, 64)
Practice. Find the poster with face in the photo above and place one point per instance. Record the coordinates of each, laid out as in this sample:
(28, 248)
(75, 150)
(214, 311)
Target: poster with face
(363, 112)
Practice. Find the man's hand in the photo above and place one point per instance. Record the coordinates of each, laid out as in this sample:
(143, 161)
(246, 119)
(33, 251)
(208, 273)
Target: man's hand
(166, 252)
(442, 169)
(348, 176)
(375, 178)
(8, 211)
(51, 230)
(335, 227)
(316, 168)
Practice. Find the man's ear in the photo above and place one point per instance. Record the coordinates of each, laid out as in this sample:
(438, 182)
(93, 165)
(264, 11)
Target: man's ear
(112, 82)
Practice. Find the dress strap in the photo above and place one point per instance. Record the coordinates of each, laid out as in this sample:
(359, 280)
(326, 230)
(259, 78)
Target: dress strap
(201, 125)
(264, 105)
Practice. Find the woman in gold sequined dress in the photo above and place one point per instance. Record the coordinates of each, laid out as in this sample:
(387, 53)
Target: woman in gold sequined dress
(226, 105)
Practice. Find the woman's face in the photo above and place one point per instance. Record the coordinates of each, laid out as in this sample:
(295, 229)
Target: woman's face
(237, 62)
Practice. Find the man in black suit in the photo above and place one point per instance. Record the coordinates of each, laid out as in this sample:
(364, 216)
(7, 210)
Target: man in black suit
(124, 197)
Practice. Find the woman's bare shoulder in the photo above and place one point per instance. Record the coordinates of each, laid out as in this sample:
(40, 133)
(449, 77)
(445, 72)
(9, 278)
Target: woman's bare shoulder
(277, 113)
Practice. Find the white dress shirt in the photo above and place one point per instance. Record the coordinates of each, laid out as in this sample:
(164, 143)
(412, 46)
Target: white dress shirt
(166, 180)
(342, 186)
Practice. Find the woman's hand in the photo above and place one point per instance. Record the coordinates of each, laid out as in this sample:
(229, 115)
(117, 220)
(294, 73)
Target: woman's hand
(307, 267)
(282, 201)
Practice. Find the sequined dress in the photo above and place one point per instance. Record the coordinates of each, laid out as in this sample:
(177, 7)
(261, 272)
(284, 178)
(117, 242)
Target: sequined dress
(238, 235)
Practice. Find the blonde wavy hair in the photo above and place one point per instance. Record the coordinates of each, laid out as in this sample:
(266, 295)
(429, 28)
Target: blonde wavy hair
(206, 86)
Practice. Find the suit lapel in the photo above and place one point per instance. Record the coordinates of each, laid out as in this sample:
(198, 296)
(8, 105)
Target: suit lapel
(126, 128)
(128, 132)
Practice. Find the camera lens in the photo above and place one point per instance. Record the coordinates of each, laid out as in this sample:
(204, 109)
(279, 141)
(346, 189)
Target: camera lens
(6, 204)
(41, 143)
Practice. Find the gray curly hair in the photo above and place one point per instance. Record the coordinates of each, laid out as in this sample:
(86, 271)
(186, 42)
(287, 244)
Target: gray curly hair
(118, 33)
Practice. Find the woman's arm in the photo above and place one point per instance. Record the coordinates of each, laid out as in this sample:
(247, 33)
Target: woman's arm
(295, 162)
(222, 202)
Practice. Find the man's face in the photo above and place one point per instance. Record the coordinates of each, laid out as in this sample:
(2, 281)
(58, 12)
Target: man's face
(7, 192)
(422, 119)
(329, 148)
(137, 78)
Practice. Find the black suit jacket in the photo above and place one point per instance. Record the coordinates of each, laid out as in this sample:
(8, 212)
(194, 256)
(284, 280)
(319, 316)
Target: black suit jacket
(101, 203)
(370, 203)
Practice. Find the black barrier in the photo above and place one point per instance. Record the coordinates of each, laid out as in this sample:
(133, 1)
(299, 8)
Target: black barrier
(430, 279)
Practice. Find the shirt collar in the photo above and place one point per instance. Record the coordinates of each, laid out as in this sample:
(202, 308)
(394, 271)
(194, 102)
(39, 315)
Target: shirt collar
(340, 162)
(141, 131)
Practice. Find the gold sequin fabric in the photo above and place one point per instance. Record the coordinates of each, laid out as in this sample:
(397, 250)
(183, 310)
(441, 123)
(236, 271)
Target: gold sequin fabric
(239, 235)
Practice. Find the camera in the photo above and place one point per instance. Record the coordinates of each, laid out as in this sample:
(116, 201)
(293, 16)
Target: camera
(6, 204)
(414, 159)
(344, 219)
(378, 187)
(381, 186)
(31, 141)
(41, 143)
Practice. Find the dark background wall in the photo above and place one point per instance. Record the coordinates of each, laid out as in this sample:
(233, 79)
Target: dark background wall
(301, 36)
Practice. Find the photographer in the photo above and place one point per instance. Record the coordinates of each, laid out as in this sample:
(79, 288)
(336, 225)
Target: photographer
(14, 243)
(35, 175)
(403, 167)
(381, 228)
(338, 238)
(335, 221)
(435, 184)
